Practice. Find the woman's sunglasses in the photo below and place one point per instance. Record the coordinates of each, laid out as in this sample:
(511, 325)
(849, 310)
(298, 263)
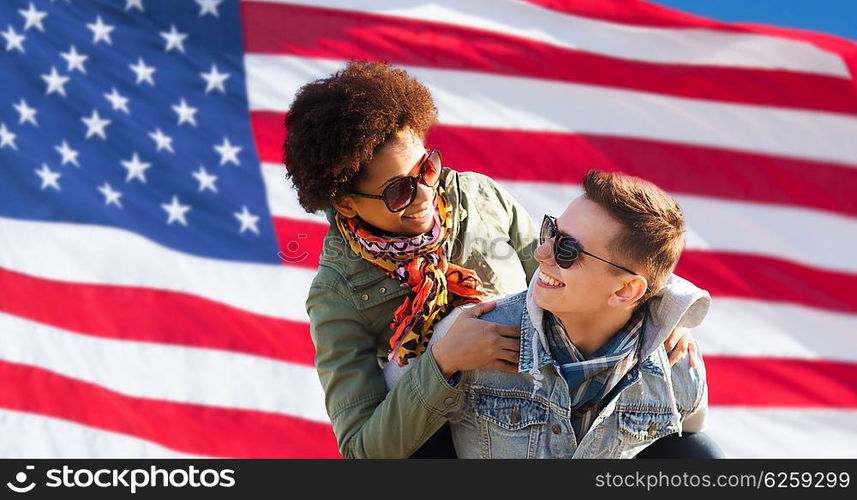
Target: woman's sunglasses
(400, 193)
(566, 249)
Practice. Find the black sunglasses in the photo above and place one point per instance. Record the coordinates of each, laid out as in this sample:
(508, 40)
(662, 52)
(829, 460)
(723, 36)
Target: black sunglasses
(399, 194)
(566, 249)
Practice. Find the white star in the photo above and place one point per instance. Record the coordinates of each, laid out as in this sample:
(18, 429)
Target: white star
(33, 17)
(162, 141)
(95, 125)
(56, 82)
(136, 168)
(27, 113)
(248, 220)
(75, 60)
(176, 211)
(175, 40)
(13, 40)
(214, 80)
(144, 73)
(100, 31)
(228, 152)
(208, 7)
(68, 155)
(206, 181)
(110, 196)
(185, 112)
(49, 177)
(7, 138)
(138, 4)
(119, 102)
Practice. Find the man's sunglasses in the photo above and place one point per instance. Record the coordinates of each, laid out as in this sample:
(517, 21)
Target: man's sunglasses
(566, 249)
(400, 193)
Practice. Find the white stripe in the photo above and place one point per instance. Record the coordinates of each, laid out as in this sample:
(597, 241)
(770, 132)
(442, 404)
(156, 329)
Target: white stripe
(166, 372)
(755, 328)
(282, 198)
(784, 432)
(484, 100)
(109, 256)
(659, 45)
(811, 237)
(27, 435)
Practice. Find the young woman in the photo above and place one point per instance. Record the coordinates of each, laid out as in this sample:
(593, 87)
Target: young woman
(409, 240)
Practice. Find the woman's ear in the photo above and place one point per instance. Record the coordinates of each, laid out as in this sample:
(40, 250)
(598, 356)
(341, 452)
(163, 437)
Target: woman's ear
(346, 207)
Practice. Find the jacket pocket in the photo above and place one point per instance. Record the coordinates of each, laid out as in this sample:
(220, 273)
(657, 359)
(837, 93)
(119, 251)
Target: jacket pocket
(510, 426)
(639, 429)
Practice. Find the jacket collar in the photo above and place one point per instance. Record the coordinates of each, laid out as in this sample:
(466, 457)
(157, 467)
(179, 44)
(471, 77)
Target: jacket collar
(678, 303)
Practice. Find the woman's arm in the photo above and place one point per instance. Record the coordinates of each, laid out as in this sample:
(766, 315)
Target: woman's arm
(369, 422)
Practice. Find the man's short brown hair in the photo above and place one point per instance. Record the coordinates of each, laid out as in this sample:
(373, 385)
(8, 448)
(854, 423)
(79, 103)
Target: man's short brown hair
(652, 237)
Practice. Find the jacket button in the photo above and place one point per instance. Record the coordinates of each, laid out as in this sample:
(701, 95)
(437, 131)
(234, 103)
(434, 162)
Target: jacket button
(383, 290)
(556, 429)
(653, 429)
(365, 296)
(448, 401)
(516, 417)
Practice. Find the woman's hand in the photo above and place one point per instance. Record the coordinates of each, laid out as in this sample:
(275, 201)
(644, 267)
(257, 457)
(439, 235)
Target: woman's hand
(472, 343)
(681, 343)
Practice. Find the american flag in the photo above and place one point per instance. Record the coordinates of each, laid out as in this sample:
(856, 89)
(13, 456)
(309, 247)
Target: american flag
(155, 262)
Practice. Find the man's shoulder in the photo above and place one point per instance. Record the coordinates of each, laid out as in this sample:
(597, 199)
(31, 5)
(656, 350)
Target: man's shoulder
(509, 309)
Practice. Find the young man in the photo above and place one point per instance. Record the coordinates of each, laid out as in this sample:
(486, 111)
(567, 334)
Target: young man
(593, 380)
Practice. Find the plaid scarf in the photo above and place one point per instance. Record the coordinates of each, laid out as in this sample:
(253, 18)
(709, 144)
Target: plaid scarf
(589, 380)
(418, 262)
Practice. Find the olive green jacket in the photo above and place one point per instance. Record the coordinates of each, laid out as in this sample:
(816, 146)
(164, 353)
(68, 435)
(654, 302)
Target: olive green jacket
(351, 304)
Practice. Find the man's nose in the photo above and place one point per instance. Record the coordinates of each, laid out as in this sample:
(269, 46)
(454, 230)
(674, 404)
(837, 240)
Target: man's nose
(544, 252)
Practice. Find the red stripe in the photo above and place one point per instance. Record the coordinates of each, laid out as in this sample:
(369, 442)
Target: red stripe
(682, 169)
(338, 34)
(723, 274)
(188, 428)
(148, 315)
(734, 381)
(744, 276)
(300, 241)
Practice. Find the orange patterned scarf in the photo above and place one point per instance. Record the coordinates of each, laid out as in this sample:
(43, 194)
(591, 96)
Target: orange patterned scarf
(418, 262)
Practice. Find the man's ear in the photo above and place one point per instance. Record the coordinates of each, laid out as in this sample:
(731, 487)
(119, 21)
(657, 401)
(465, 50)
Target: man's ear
(630, 292)
(345, 206)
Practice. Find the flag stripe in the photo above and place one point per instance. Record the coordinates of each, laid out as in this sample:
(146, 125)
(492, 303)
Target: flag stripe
(166, 372)
(755, 328)
(780, 382)
(27, 435)
(501, 102)
(150, 315)
(191, 376)
(338, 34)
(783, 432)
(698, 170)
(806, 237)
(610, 39)
(187, 428)
(109, 256)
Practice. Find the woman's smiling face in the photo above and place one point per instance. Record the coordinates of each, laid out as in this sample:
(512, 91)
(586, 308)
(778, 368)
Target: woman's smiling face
(398, 158)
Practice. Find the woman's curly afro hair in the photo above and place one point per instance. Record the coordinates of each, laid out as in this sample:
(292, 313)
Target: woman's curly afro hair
(336, 124)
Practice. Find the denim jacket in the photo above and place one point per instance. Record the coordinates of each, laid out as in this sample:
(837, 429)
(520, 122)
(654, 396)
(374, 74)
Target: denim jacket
(528, 414)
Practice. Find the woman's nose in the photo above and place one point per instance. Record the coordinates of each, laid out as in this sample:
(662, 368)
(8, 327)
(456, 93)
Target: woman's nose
(424, 193)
